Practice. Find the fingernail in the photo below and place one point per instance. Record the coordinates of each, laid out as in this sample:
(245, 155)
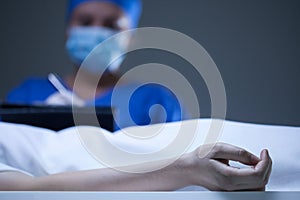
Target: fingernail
(267, 152)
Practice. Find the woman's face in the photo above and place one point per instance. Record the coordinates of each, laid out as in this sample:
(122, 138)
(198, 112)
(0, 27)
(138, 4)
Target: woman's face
(99, 14)
(81, 41)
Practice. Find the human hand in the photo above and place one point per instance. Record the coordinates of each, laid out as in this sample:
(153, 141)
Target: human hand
(214, 172)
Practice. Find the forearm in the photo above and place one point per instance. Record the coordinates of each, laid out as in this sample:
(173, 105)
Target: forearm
(111, 180)
(171, 177)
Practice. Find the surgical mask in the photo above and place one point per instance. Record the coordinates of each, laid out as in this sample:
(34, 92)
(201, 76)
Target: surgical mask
(82, 41)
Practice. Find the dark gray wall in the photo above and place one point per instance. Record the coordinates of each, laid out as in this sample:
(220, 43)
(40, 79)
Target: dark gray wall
(255, 44)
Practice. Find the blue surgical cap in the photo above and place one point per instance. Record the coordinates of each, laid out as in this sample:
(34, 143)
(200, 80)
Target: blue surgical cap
(132, 8)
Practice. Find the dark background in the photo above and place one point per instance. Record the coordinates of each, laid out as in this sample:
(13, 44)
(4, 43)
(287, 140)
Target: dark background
(255, 44)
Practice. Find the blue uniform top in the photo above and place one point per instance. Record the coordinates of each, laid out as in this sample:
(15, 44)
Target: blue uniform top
(150, 103)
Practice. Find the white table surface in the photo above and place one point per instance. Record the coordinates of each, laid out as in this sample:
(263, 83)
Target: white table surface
(150, 195)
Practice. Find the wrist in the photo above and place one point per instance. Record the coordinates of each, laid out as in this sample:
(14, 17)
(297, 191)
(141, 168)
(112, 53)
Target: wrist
(186, 165)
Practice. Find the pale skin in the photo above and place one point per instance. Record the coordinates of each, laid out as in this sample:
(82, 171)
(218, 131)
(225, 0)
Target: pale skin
(211, 171)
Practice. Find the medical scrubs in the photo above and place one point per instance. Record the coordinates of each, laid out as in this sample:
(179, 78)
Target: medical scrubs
(150, 103)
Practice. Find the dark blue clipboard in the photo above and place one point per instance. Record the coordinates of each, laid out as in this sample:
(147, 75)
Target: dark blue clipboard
(57, 117)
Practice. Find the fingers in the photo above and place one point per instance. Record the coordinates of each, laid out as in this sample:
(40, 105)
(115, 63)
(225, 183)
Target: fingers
(249, 178)
(259, 175)
(264, 167)
(230, 152)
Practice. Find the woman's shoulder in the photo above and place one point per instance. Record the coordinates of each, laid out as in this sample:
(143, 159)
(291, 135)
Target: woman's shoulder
(37, 83)
(31, 89)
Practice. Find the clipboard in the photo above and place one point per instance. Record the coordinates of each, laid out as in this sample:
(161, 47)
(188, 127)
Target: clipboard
(57, 117)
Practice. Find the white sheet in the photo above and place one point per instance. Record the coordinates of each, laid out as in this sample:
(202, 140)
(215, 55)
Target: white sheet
(40, 152)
